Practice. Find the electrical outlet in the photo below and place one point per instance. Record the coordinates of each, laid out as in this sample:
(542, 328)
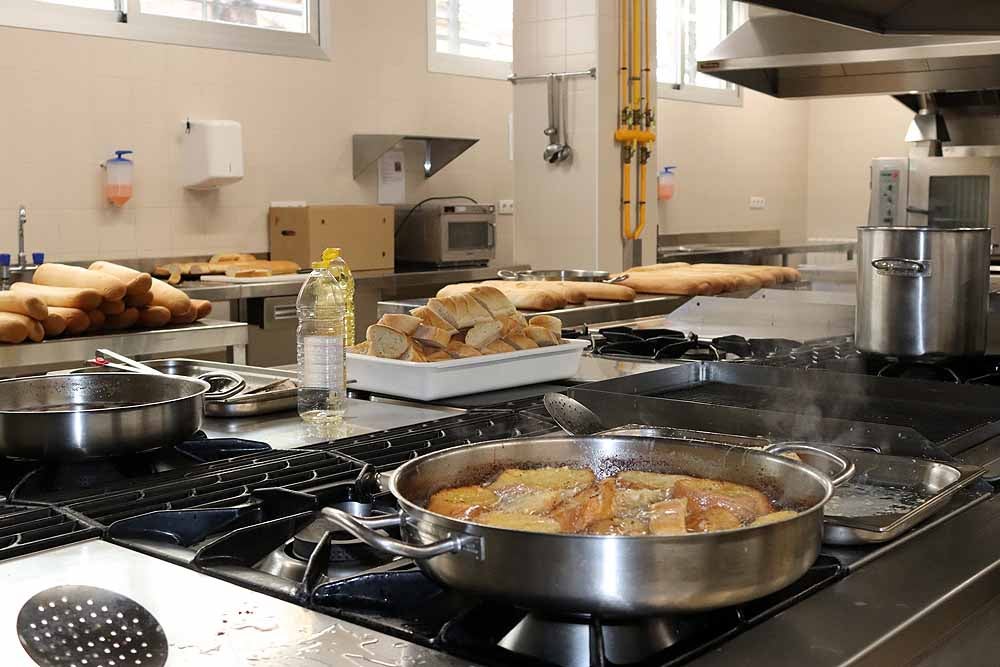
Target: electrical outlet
(505, 207)
(758, 203)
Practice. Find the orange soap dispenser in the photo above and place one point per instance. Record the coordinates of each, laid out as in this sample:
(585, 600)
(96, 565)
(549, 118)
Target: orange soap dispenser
(118, 183)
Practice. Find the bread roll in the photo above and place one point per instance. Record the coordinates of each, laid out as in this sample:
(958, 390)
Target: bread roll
(553, 324)
(112, 307)
(136, 282)
(13, 327)
(483, 334)
(36, 332)
(387, 343)
(32, 306)
(139, 300)
(543, 337)
(54, 325)
(76, 320)
(97, 319)
(124, 320)
(171, 298)
(459, 350)
(64, 275)
(432, 337)
(430, 318)
(520, 342)
(153, 317)
(202, 307)
(406, 324)
(64, 297)
(498, 347)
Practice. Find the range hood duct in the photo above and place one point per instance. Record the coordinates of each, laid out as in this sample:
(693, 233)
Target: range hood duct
(926, 17)
(790, 56)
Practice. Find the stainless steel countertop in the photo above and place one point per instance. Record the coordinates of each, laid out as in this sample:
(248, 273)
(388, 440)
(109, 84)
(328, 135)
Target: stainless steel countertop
(207, 621)
(203, 335)
(285, 430)
(387, 281)
(747, 254)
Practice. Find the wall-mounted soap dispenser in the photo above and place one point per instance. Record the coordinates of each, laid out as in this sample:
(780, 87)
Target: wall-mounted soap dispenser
(118, 178)
(211, 153)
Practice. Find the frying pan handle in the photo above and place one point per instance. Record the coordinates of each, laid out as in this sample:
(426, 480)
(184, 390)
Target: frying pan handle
(845, 467)
(365, 530)
(616, 279)
(507, 274)
(238, 384)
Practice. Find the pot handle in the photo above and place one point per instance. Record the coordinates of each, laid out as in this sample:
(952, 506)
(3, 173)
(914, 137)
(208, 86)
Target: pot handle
(902, 266)
(617, 279)
(507, 274)
(844, 466)
(236, 384)
(364, 529)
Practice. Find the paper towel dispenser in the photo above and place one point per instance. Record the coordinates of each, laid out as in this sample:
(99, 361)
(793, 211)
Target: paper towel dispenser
(211, 153)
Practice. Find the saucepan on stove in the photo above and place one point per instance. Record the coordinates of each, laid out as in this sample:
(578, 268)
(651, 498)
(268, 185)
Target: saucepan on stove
(606, 575)
(577, 275)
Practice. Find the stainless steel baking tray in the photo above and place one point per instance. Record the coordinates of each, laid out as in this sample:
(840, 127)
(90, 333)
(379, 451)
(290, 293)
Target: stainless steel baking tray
(246, 404)
(888, 495)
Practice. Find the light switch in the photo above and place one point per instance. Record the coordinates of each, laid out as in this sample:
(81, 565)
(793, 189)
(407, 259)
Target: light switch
(505, 207)
(758, 203)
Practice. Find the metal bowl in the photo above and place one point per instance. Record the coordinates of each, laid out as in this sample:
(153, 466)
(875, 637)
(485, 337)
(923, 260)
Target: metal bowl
(577, 275)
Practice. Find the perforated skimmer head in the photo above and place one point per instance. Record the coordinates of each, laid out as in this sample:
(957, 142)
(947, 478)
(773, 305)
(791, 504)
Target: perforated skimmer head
(84, 626)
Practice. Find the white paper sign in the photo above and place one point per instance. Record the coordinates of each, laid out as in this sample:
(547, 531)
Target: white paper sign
(391, 178)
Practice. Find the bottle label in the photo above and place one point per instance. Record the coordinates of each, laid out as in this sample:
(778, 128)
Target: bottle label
(323, 362)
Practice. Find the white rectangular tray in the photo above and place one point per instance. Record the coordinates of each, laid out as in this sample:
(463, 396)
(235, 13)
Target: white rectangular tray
(459, 377)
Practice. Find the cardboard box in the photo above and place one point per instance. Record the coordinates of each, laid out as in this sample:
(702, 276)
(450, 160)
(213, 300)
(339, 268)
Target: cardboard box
(364, 234)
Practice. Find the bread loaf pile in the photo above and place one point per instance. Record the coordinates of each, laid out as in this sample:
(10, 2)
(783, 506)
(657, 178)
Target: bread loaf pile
(705, 279)
(234, 265)
(479, 320)
(69, 300)
(547, 294)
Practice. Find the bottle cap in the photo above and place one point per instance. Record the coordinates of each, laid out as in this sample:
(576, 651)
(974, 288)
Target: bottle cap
(38, 258)
(331, 254)
(4, 259)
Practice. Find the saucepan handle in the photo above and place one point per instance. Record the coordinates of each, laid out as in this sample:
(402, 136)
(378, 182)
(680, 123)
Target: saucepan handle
(237, 385)
(844, 468)
(507, 274)
(617, 279)
(902, 266)
(364, 528)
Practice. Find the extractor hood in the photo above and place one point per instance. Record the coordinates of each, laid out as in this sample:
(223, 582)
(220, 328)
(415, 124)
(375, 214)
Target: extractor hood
(790, 56)
(900, 16)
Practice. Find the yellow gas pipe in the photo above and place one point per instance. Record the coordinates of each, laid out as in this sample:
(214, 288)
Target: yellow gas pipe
(624, 118)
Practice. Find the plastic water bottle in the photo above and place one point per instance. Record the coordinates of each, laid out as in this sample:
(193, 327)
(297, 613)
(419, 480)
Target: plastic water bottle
(342, 272)
(320, 342)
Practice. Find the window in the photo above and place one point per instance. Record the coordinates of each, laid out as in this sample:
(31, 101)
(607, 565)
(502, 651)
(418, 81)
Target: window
(281, 27)
(470, 37)
(687, 30)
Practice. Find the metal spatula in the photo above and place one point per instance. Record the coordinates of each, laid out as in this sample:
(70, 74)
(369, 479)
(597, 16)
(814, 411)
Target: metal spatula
(84, 626)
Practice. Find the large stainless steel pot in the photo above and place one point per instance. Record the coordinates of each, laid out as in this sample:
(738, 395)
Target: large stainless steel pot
(73, 417)
(922, 291)
(610, 576)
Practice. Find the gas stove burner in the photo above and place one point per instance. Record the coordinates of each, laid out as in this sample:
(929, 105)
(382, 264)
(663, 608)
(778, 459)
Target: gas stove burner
(666, 344)
(586, 641)
(919, 370)
(343, 547)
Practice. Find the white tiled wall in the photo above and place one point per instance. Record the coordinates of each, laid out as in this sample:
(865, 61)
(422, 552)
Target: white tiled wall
(69, 101)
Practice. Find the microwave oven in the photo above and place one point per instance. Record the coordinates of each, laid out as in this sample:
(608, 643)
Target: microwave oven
(446, 235)
(953, 191)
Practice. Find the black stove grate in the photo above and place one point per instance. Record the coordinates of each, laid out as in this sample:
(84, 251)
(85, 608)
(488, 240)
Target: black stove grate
(25, 530)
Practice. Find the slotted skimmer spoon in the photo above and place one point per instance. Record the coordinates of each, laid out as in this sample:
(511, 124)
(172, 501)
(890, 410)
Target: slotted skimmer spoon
(572, 416)
(85, 626)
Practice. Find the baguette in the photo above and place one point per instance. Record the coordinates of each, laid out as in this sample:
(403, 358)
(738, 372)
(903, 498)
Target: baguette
(76, 320)
(459, 350)
(483, 334)
(553, 324)
(387, 343)
(64, 297)
(153, 317)
(432, 337)
(112, 307)
(360, 348)
(498, 347)
(406, 324)
(64, 275)
(54, 325)
(171, 298)
(668, 282)
(605, 292)
(414, 353)
(202, 307)
(438, 355)
(240, 271)
(97, 319)
(512, 326)
(136, 282)
(139, 300)
(493, 300)
(432, 319)
(123, 320)
(543, 337)
(32, 306)
(477, 313)
(13, 327)
(231, 257)
(521, 342)
(658, 267)
(534, 296)
(565, 291)
(454, 310)
(185, 318)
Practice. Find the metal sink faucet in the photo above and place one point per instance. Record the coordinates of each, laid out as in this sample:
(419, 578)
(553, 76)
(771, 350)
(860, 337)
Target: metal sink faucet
(22, 219)
(9, 273)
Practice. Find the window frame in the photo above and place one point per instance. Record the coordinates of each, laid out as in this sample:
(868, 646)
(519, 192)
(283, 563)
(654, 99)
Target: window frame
(129, 22)
(449, 63)
(731, 95)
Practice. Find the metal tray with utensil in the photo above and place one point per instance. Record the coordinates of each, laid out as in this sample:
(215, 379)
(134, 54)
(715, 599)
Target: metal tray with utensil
(888, 495)
(267, 390)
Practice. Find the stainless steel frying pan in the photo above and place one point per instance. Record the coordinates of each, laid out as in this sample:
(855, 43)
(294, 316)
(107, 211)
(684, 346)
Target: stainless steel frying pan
(610, 576)
(74, 417)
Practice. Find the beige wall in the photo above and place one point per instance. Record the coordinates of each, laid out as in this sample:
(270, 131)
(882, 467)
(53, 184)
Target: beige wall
(725, 155)
(844, 135)
(69, 101)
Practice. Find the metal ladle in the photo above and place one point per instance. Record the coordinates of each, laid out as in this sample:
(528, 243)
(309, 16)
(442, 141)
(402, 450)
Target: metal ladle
(572, 416)
(552, 151)
(565, 151)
